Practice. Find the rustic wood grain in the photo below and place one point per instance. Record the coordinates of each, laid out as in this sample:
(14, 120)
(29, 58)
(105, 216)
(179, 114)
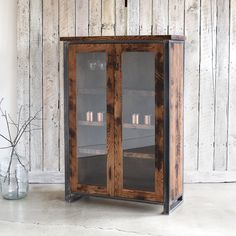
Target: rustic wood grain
(82, 17)
(36, 81)
(191, 84)
(176, 121)
(50, 85)
(67, 27)
(160, 17)
(221, 86)
(176, 17)
(121, 18)
(145, 17)
(231, 164)
(207, 88)
(108, 17)
(95, 17)
(23, 69)
(133, 17)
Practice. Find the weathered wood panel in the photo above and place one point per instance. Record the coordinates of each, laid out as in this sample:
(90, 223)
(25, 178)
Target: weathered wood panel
(207, 89)
(36, 89)
(231, 165)
(221, 85)
(160, 17)
(121, 18)
(200, 28)
(133, 17)
(191, 83)
(176, 16)
(176, 104)
(95, 17)
(108, 17)
(51, 85)
(23, 45)
(67, 27)
(145, 17)
(82, 9)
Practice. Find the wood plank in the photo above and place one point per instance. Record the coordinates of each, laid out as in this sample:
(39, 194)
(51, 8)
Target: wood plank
(145, 17)
(121, 18)
(207, 89)
(176, 120)
(23, 69)
(82, 21)
(160, 17)
(231, 165)
(191, 106)
(51, 85)
(176, 16)
(95, 17)
(133, 17)
(67, 18)
(67, 27)
(108, 17)
(222, 79)
(36, 83)
(122, 39)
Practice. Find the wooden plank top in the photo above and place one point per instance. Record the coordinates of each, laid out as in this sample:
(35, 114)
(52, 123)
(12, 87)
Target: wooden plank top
(118, 39)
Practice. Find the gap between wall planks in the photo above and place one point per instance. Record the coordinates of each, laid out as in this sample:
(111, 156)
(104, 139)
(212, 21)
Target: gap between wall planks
(210, 71)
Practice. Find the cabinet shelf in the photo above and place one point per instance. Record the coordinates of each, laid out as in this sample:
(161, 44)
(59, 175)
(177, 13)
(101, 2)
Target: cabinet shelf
(91, 123)
(126, 154)
(100, 91)
(126, 125)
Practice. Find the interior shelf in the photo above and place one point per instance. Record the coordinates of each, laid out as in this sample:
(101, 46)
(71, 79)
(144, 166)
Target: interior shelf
(97, 91)
(126, 125)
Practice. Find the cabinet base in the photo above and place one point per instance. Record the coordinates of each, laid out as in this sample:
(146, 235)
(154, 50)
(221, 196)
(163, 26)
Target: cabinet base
(169, 208)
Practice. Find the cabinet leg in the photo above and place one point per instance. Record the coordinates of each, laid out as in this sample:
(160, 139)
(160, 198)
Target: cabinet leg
(72, 197)
(169, 208)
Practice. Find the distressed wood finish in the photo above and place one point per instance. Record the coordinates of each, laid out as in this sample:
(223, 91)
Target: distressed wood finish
(221, 86)
(36, 93)
(108, 17)
(82, 17)
(206, 60)
(133, 17)
(169, 64)
(121, 18)
(23, 68)
(191, 84)
(176, 120)
(67, 27)
(75, 186)
(231, 165)
(207, 89)
(51, 85)
(160, 17)
(145, 21)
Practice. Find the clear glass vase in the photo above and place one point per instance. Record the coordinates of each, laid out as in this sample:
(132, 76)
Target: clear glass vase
(14, 180)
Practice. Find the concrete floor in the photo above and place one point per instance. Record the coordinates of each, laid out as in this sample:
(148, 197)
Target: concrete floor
(208, 209)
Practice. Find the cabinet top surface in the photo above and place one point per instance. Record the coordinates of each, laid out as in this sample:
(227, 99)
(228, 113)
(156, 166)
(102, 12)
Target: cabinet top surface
(120, 39)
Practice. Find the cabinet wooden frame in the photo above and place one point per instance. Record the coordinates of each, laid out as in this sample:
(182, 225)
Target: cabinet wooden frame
(169, 51)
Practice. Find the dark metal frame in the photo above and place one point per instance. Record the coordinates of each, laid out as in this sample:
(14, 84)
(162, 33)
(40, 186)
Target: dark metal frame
(69, 196)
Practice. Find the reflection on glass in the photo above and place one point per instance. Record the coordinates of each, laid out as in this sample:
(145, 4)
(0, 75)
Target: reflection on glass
(138, 104)
(91, 132)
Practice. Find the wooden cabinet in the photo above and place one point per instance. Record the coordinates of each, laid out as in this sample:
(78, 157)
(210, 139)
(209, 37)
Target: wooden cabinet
(124, 118)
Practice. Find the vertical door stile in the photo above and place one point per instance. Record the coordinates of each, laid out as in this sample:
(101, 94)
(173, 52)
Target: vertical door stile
(159, 121)
(118, 124)
(110, 119)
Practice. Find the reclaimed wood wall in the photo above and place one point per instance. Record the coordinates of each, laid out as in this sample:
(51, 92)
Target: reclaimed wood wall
(210, 73)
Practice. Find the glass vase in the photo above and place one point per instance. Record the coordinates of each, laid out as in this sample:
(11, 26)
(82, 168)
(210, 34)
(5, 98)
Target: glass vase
(14, 180)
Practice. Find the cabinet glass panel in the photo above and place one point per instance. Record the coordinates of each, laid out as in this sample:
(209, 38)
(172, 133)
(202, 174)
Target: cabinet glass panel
(138, 131)
(91, 118)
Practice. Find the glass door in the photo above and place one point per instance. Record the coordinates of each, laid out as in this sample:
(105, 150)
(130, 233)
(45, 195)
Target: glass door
(92, 160)
(141, 67)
